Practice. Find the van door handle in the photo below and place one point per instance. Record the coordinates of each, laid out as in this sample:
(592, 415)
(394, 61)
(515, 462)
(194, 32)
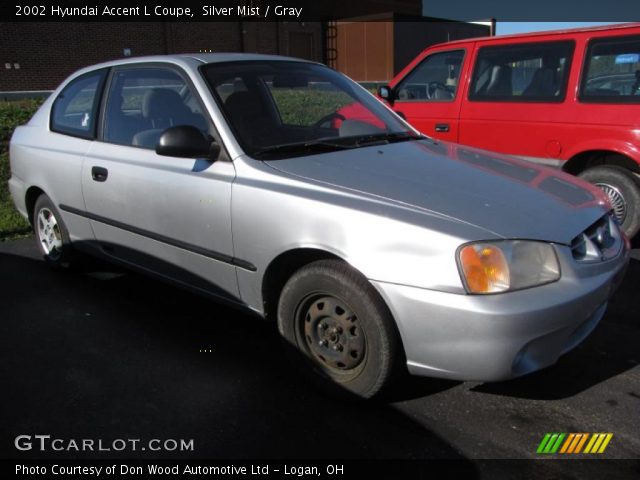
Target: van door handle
(442, 127)
(99, 174)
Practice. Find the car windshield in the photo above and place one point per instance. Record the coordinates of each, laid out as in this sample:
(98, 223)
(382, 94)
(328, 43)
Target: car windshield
(280, 109)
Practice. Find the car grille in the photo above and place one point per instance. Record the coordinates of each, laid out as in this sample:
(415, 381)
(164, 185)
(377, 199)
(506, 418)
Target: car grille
(600, 242)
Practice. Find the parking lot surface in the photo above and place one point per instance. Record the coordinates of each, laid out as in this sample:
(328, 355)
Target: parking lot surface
(112, 354)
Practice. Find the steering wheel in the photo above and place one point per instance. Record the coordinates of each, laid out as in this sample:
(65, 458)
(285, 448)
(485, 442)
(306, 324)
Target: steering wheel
(327, 118)
(433, 87)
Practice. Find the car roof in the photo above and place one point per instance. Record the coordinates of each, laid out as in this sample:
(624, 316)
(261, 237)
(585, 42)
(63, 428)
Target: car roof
(612, 27)
(209, 57)
(193, 60)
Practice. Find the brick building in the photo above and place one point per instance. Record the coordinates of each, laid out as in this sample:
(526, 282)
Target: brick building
(38, 56)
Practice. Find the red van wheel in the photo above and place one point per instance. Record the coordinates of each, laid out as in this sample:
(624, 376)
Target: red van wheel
(623, 190)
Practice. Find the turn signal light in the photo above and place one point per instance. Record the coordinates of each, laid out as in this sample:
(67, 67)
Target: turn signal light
(485, 268)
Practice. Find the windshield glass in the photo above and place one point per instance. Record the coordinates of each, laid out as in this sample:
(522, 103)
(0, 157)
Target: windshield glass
(280, 109)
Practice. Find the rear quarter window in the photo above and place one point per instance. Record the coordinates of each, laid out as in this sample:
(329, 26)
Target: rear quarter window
(75, 109)
(611, 72)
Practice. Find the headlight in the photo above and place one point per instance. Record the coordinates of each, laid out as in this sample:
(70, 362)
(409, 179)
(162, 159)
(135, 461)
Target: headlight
(501, 266)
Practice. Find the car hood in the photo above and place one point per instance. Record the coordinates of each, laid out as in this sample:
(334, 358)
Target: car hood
(510, 198)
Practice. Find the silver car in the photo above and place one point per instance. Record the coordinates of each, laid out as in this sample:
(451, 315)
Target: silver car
(283, 187)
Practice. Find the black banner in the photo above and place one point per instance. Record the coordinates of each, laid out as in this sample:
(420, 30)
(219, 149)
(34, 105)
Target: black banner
(325, 469)
(326, 10)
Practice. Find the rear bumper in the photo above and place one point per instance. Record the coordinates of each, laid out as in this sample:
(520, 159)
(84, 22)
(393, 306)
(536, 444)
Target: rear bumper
(498, 337)
(17, 188)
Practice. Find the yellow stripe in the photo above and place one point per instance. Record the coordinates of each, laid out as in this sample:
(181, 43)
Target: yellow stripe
(591, 442)
(582, 440)
(595, 447)
(608, 438)
(574, 443)
(566, 443)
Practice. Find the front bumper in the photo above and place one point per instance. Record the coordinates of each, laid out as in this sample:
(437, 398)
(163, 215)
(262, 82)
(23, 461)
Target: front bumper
(502, 336)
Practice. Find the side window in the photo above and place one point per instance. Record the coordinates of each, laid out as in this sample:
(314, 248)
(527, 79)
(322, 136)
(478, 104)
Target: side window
(434, 80)
(74, 111)
(534, 72)
(612, 71)
(143, 102)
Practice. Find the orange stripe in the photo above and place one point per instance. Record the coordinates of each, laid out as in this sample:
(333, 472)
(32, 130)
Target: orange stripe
(567, 442)
(584, 439)
(574, 443)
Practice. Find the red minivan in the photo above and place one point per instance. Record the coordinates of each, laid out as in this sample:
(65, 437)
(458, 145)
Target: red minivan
(570, 99)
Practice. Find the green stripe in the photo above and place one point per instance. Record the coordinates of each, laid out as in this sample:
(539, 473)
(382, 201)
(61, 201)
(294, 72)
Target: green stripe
(550, 443)
(558, 443)
(543, 443)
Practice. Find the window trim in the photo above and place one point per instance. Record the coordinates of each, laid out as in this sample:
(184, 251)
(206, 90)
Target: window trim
(96, 109)
(473, 97)
(428, 100)
(603, 99)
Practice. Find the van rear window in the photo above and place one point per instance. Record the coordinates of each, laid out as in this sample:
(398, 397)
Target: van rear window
(612, 71)
(531, 72)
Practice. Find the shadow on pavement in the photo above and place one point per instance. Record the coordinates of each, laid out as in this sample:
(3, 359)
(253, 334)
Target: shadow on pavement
(112, 355)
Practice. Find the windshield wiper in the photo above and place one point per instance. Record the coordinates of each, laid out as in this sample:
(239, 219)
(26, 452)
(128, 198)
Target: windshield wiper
(385, 138)
(302, 148)
(338, 143)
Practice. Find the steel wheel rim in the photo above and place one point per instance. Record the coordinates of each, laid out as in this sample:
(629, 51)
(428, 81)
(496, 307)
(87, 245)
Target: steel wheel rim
(332, 333)
(618, 203)
(49, 233)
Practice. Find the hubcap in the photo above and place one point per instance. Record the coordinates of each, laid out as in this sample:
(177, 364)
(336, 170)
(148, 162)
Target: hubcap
(617, 200)
(49, 233)
(332, 333)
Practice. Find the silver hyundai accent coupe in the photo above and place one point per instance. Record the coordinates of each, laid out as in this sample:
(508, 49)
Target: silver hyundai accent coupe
(282, 186)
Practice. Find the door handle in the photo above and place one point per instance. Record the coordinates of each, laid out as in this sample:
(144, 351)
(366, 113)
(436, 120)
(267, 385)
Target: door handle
(442, 127)
(401, 114)
(99, 174)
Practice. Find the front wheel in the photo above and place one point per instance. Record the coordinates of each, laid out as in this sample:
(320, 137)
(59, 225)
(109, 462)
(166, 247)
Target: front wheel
(338, 329)
(623, 190)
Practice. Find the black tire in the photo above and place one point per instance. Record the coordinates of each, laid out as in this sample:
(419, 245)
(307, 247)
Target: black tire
(623, 189)
(327, 301)
(60, 255)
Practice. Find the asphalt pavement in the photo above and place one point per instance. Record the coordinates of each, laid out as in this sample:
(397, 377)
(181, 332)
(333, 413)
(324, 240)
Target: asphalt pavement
(112, 354)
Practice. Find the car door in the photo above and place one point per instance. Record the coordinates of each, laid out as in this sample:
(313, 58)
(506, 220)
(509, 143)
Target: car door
(167, 215)
(73, 125)
(428, 97)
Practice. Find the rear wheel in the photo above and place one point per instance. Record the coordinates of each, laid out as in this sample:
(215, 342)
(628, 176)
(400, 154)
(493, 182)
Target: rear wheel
(623, 190)
(51, 234)
(342, 333)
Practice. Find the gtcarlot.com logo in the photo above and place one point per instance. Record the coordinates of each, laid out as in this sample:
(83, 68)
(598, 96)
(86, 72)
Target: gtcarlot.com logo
(45, 443)
(574, 443)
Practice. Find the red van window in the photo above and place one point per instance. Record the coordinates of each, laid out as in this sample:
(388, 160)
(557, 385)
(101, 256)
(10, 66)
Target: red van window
(533, 72)
(612, 71)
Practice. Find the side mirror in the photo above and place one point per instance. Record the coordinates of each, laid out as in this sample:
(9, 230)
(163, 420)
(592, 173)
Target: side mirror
(386, 93)
(186, 141)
